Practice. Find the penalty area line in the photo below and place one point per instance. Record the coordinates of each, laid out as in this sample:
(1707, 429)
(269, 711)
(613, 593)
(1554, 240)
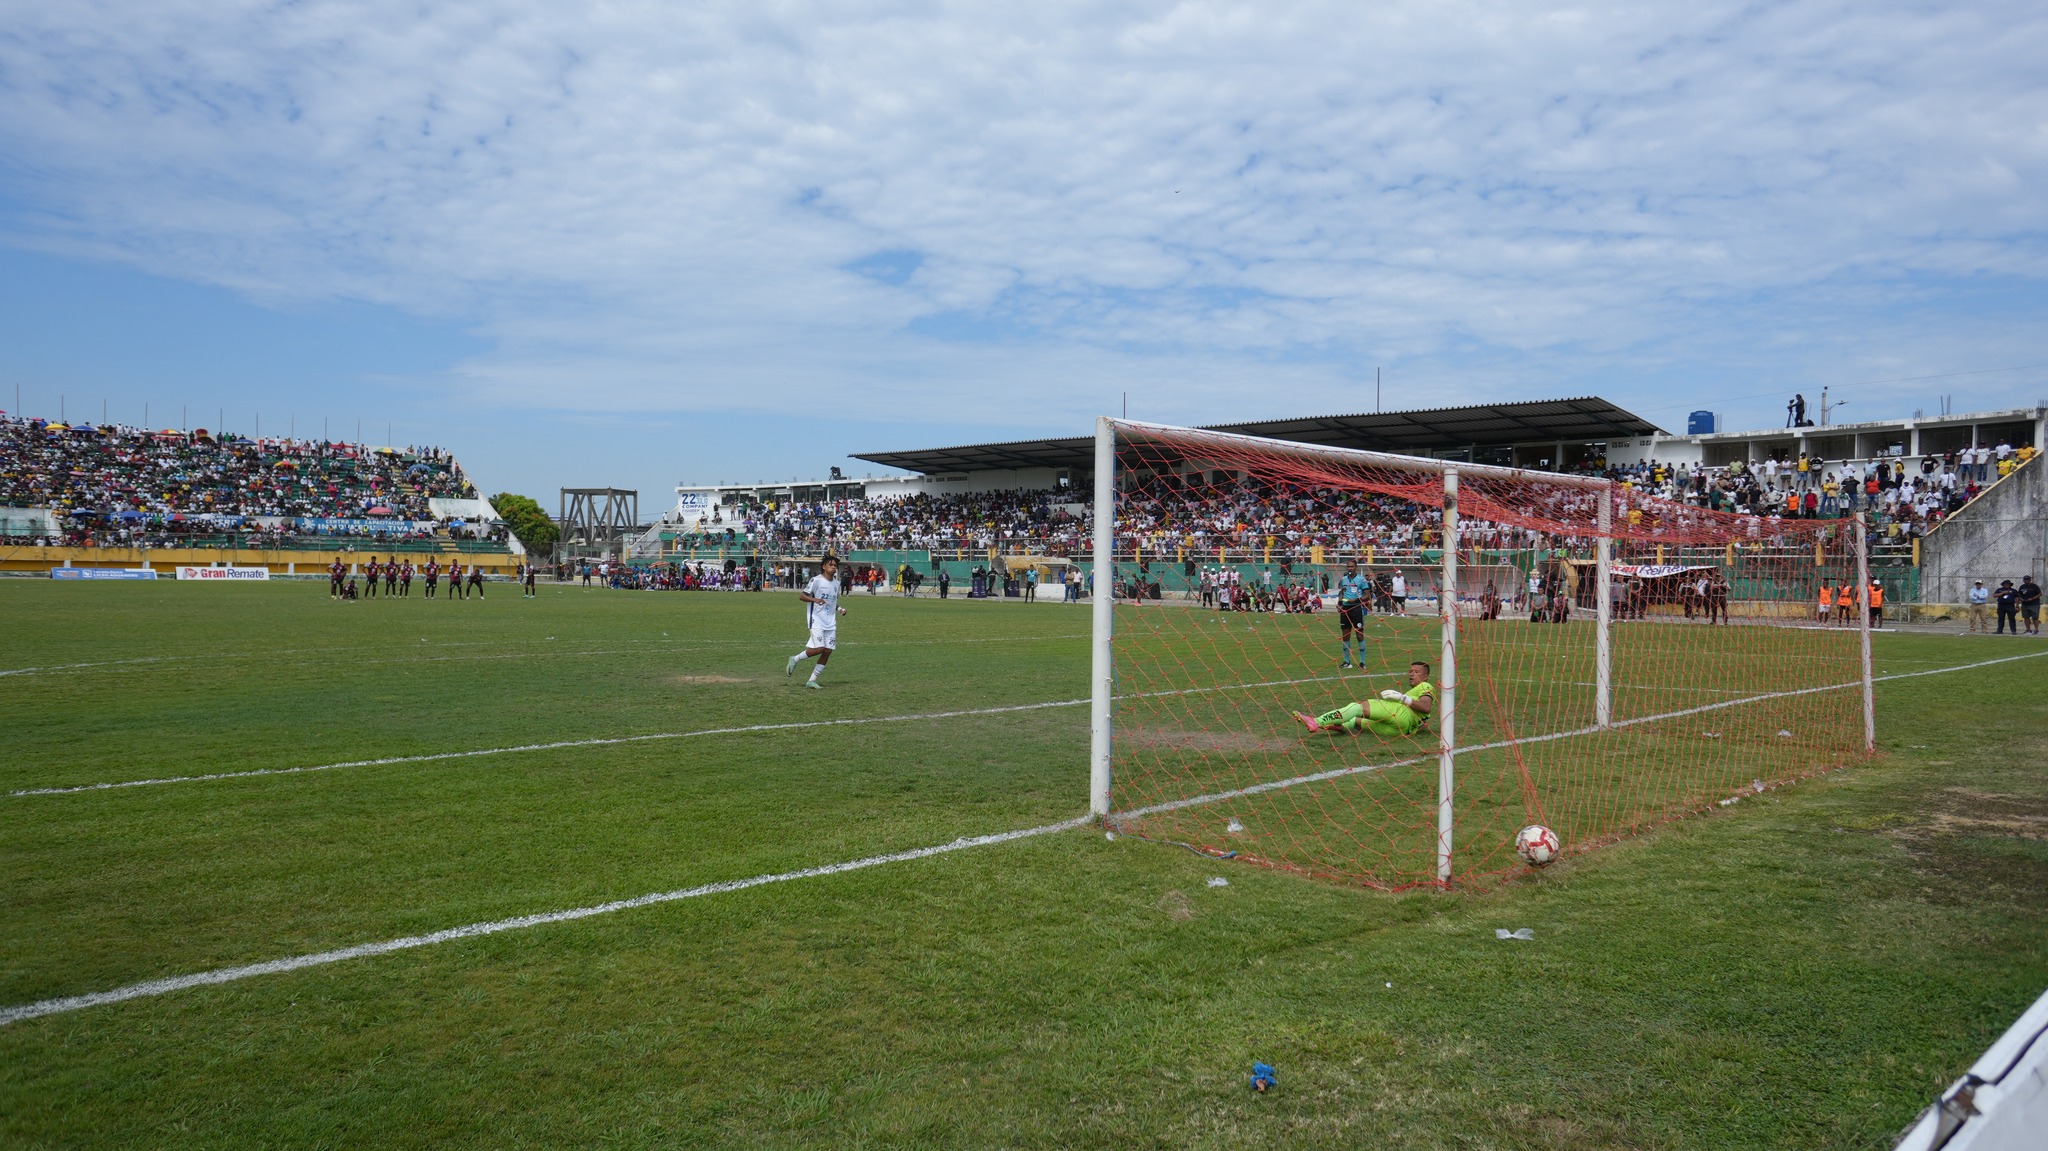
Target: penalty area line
(607, 741)
(612, 741)
(474, 930)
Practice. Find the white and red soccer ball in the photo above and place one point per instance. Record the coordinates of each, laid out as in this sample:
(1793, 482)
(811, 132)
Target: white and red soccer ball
(1537, 845)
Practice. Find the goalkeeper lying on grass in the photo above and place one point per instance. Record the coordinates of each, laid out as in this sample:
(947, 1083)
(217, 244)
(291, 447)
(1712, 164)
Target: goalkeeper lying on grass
(1393, 713)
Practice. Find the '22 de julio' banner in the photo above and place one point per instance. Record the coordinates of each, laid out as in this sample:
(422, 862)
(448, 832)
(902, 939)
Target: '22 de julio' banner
(223, 573)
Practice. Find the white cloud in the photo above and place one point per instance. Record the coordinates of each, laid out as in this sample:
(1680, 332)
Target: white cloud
(653, 206)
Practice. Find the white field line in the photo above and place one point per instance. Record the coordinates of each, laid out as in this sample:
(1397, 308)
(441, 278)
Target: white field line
(469, 931)
(223, 656)
(652, 648)
(609, 741)
(1361, 769)
(555, 746)
(746, 729)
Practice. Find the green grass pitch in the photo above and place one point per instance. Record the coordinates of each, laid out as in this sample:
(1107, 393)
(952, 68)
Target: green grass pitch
(1804, 969)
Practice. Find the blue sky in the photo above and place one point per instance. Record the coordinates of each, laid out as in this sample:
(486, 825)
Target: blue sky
(636, 244)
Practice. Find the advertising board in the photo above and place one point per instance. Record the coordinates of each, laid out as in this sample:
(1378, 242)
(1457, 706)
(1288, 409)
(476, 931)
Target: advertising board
(222, 573)
(102, 573)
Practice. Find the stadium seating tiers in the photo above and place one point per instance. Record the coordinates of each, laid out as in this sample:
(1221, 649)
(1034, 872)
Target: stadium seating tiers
(122, 484)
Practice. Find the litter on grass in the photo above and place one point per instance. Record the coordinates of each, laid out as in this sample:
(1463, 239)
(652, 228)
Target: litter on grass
(1504, 933)
(1218, 881)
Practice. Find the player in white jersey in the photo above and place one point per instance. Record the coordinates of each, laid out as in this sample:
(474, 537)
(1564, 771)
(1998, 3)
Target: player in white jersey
(822, 611)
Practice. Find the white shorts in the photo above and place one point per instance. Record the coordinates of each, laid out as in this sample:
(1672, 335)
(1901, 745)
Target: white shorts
(825, 637)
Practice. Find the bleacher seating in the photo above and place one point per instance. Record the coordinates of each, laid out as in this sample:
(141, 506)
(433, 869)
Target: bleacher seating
(121, 486)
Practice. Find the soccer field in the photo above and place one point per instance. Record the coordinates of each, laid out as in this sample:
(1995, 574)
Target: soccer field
(1805, 968)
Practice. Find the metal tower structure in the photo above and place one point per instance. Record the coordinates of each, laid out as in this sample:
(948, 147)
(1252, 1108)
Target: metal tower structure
(598, 518)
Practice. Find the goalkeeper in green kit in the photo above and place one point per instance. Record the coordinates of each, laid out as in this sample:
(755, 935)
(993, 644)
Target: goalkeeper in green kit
(1393, 713)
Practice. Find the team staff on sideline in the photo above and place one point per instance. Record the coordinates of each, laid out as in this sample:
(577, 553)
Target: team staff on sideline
(2008, 600)
(1980, 601)
(2030, 604)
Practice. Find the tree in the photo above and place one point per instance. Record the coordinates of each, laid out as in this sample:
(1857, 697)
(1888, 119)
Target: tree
(527, 520)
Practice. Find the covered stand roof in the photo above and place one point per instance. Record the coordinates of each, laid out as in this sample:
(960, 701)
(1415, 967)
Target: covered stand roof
(1587, 418)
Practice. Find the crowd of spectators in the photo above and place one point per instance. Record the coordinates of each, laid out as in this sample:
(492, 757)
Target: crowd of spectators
(1904, 497)
(728, 576)
(921, 522)
(112, 484)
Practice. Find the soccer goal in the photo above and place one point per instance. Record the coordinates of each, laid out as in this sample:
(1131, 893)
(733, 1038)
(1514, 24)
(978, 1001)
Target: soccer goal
(1597, 660)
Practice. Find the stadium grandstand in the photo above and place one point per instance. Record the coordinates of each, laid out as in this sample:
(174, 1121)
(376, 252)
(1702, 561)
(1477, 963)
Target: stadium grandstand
(998, 509)
(112, 496)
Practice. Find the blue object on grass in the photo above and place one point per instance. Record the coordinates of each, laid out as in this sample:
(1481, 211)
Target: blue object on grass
(1264, 1078)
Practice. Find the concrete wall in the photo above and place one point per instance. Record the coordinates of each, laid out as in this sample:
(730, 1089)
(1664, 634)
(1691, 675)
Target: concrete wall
(2000, 535)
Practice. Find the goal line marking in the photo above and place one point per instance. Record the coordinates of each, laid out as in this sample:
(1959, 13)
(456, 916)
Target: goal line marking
(155, 987)
(1367, 768)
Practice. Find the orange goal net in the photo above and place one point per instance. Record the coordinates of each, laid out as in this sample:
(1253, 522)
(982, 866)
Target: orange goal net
(1377, 669)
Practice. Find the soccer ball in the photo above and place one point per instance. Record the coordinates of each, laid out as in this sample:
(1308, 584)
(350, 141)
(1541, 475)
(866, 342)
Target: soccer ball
(1537, 845)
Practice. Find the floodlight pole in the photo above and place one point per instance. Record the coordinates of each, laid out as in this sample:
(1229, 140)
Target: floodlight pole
(1603, 636)
(1863, 633)
(1102, 670)
(1447, 680)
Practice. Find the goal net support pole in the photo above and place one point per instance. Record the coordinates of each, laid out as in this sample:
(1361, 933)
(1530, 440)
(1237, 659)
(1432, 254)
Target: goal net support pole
(1603, 635)
(1447, 681)
(1863, 627)
(1102, 604)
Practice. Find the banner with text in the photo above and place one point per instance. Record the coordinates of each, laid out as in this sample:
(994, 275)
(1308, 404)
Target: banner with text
(102, 573)
(372, 526)
(222, 573)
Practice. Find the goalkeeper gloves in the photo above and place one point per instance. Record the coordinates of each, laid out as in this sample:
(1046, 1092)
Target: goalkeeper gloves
(1393, 696)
